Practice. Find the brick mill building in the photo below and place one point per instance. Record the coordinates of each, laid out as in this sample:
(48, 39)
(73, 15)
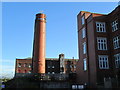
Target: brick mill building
(99, 47)
(53, 65)
(99, 53)
(39, 64)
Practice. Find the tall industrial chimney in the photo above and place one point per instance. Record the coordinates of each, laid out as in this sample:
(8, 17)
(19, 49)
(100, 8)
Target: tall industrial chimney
(39, 44)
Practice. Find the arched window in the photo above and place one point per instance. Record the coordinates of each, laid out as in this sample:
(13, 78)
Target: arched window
(19, 64)
(29, 71)
(30, 65)
(25, 65)
(19, 71)
(25, 71)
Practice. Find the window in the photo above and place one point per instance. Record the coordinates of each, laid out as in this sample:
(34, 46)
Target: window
(84, 48)
(102, 43)
(25, 65)
(61, 72)
(83, 20)
(48, 72)
(53, 67)
(114, 25)
(103, 62)
(48, 66)
(100, 27)
(66, 65)
(83, 33)
(53, 72)
(25, 71)
(116, 42)
(29, 71)
(19, 64)
(19, 71)
(84, 64)
(117, 60)
(74, 66)
(74, 86)
(29, 65)
(80, 86)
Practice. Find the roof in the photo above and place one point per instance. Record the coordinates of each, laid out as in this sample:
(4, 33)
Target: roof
(92, 12)
(71, 59)
(66, 59)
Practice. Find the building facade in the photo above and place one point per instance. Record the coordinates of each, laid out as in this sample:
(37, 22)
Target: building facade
(53, 65)
(23, 65)
(99, 47)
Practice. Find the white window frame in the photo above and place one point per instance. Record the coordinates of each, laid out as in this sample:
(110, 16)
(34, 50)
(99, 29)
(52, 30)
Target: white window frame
(70, 66)
(83, 32)
(53, 72)
(80, 86)
(48, 66)
(102, 43)
(53, 66)
(29, 71)
(25, 64)
(100, 27)
(84, 48)
(83, 20)
(103, 61)
(116, 42)
(114, 25)
(48, 72)
(19, 65)
(61, 72)
(117, 60)
(74, 66)
(29, 65)
(74, 86)
(84, 64)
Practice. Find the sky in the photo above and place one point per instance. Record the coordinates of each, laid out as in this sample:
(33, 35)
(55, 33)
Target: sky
(60, 0)
(61, 28)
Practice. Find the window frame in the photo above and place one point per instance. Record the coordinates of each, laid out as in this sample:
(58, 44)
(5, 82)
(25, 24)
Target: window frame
(103, 63)
(19, 65)
(100, 27)
(18, 71)
(53, 72)
(114, 25)
(85, 64)
(48, 72)
(29, 71)
(53, 66)
(84, 48)
(117, 60)
(83, 20)
(25, 64)
(83, 32)
(102, 43)
(29, 65)
(49, 66)
(116, 42)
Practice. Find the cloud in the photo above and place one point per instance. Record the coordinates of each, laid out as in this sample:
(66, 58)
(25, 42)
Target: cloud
(7, 64)
(8, 69)
(7, 61)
